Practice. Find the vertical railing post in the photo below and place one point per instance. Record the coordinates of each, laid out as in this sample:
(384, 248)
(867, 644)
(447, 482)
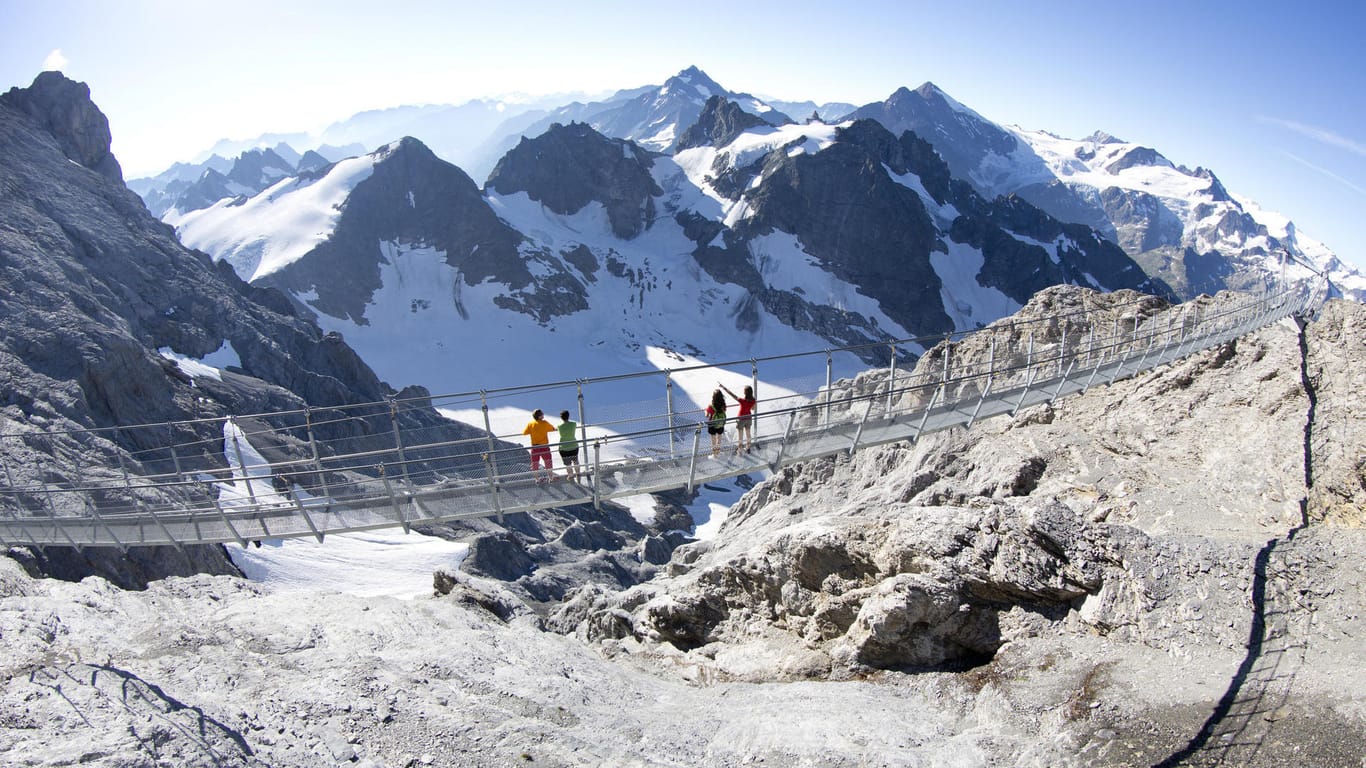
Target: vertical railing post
(1122, 360)
(1062, 348)
(754, 383)
(829, 372)
(782, 446)
(891, 379)
(948, 361)
(488, 429)
(128, 483)
(241, 463)
(583, 415)
(180, 481)
(692, 460)
(398, 444)
(858, 433)
(1029, 374)
(299, 505)
(597, 474)
(9, 478)
(925, 417)
(393, 499)
(669, 406)
(491, 472)
(491, 457)
(313, 451)
(56, 524)
(223, 515)
(986, 390)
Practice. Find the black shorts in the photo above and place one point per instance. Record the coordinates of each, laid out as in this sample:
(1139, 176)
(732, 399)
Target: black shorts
(713, 430)
(569, 456)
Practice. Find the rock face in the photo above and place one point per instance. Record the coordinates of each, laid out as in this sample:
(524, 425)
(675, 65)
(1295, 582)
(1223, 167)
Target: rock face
(961, 137)
(1060, 520)
(64, 109)
(720, 122)
(94, 287)
(847, 208)
(568, 167)
(1335, 439)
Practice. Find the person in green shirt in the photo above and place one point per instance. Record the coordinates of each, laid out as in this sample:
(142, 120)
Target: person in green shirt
(569, 446)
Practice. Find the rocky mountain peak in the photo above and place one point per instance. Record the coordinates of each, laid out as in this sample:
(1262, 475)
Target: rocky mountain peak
(1135, 157)
(695, 80)
(720, 122)
(64, 109)
(257, 168)
(569, 166)
(1216, 188)
(1101, 137)
(930, 92)
(312, 161)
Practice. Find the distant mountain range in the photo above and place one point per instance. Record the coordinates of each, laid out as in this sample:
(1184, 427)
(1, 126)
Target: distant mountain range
(595, 253)
(1182, 226)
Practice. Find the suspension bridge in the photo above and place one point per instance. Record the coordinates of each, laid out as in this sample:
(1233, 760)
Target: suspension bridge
(316, 472)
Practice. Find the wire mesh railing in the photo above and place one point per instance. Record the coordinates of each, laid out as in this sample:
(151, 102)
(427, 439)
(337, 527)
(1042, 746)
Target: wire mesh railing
(311, 472)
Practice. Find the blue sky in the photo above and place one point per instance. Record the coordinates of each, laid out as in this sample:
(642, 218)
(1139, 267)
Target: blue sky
(1270, 96)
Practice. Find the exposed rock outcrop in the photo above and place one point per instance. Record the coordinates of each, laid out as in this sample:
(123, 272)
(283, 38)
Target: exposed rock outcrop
(64, 109)
(94, 288)
(1135, 511)
(569, 166)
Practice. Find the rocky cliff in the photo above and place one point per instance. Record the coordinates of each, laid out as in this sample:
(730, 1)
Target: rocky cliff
(95, 287)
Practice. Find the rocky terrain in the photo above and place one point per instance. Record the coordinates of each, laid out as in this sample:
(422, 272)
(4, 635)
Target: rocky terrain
(1163, 571)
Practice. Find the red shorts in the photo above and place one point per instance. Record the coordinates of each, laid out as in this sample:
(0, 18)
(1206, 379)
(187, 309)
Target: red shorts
(540, 453)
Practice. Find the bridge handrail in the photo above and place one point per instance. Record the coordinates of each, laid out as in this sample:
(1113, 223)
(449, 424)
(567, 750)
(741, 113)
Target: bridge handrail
(417, 468)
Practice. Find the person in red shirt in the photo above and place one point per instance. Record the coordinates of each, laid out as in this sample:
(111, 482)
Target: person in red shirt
(539, 429)
(744, 420)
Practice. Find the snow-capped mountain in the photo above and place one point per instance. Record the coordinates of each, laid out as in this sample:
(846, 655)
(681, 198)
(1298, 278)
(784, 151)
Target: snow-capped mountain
(652, 116)
(1183, 226)
(188, 187)
(590, 251)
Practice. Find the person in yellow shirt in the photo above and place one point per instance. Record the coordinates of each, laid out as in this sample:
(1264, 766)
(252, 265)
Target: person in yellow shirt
(540, 430)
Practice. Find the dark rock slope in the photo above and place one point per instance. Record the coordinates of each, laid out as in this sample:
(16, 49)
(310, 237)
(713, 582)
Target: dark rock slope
(94, 286)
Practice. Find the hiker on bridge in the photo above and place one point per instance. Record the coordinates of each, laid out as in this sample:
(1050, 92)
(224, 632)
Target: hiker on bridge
(539, 429)
(744, 420)
(569, 447)
(716, 420)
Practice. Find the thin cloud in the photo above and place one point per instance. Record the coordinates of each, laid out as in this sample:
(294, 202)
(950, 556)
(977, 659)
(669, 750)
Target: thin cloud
(54, 60)
(1335, 177)
(1319, 135)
